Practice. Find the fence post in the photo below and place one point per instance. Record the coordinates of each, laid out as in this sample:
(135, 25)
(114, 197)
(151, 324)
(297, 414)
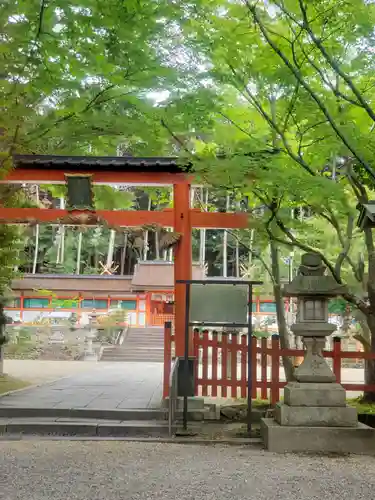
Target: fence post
(254, 391)
(196, 337)
(263, 363)
(275, 370)
(167, 357)
(337, 358)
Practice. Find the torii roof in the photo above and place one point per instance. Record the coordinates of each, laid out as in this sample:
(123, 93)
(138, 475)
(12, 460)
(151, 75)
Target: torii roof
(103, 163)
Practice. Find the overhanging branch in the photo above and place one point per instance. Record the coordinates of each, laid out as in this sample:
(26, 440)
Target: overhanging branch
(297, 74)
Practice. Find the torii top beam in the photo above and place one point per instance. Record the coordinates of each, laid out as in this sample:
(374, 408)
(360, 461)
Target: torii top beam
(46, 169)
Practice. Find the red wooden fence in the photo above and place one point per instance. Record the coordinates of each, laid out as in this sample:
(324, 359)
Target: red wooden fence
(221, 369)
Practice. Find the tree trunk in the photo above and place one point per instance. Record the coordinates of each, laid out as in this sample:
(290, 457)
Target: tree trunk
(79, 252)
(192, 197)
(157, 246)
(238, 209)
(111, 248)
(250, 256)
(370, 317)
(96, 259)
(280, 311)
(369, 396)
(202, 233)
(170, 251)
(62, 244)
(36, 251)
(225, 243)
(145, 244)
(123, 254)
(225, 254)
(237, 259)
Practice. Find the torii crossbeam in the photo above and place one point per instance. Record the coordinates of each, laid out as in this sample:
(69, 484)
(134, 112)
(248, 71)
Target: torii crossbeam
(42, 169)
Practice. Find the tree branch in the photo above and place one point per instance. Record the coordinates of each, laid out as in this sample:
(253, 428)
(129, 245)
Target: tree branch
(241, 129)
(297, 74)
(345, 245)
(258, 106)
(253, 253)
(93, 102)
(333, 64)
(43, 6)
(177, 139)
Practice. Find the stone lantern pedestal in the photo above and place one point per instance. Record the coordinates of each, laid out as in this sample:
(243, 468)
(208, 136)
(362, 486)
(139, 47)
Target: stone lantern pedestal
(314, 416)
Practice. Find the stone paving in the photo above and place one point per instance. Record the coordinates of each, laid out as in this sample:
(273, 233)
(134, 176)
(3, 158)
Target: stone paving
(104, 386)
(38, 371)
(117, 470)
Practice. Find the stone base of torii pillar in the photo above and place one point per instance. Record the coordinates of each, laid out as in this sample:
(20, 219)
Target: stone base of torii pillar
(314, 416)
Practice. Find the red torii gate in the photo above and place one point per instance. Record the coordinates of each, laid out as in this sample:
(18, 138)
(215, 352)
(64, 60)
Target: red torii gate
(43, 169)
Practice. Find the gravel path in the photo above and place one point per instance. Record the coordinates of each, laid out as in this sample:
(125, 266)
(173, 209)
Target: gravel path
(111, 470)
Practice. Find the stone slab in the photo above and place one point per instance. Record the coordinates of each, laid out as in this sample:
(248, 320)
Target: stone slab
(83, 413)
(194, 403)
(139, 384)
(316, 416)
(314, 394)
(279, 439)
(133, 429)
(43, 428)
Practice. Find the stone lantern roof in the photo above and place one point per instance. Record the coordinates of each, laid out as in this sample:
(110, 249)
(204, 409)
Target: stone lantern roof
(312, 281)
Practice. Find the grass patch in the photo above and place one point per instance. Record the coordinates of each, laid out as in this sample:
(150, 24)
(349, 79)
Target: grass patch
(11, 384)
(361, 406)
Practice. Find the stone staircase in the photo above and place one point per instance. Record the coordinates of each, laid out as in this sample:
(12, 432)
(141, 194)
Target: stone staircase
(140, 344)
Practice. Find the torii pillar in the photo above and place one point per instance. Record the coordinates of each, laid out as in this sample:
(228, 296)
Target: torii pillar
(183, 259)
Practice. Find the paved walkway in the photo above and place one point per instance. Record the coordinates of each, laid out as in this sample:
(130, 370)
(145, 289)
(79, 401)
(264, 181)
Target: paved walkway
(74, 470)
(103, 386)
(38, 371)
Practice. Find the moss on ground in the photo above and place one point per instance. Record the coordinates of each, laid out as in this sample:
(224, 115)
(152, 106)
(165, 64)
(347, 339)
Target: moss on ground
(11, 384)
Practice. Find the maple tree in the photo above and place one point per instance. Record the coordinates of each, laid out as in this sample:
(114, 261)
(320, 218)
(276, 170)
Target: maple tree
(293, 118)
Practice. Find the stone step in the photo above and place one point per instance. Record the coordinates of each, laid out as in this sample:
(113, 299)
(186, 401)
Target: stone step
(134, 348)
(146, 331)
(83, 427)
(154, 340)
(116, 414)
(144, 341)
(85, 413)
(133, 354)
(143, 352)
(135, 359)
(132, 359)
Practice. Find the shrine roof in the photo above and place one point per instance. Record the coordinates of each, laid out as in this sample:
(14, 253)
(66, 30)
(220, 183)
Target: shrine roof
(159, 275)
(103, 163)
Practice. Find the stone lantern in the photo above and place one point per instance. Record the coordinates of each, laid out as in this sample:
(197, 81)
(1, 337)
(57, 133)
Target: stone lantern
(313, 290)
(90, 355)
(314, 416)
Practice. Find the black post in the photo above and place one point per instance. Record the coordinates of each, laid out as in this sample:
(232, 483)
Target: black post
(186, 355)
(249, 358)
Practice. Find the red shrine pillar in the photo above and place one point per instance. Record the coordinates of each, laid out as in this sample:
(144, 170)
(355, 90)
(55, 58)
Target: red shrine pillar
(182, 259)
